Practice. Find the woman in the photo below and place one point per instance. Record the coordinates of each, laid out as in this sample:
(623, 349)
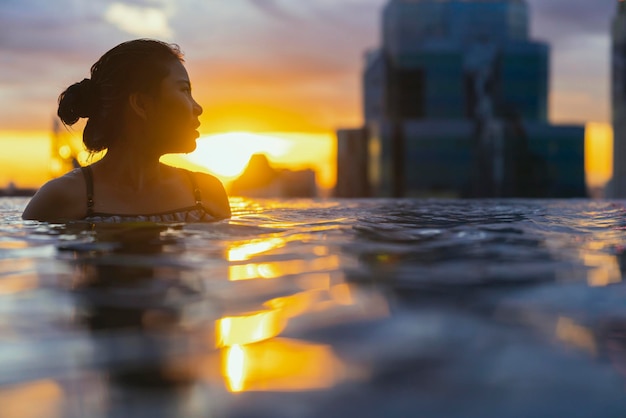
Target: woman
(139, 107)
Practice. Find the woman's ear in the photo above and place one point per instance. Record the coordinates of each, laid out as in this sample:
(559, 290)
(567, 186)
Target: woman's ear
(140, 104)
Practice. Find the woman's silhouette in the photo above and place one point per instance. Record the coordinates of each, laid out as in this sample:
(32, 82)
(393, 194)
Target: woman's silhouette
(139, 107)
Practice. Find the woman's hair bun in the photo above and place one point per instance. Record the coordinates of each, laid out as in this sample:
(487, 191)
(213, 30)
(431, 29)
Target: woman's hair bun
(77, 101)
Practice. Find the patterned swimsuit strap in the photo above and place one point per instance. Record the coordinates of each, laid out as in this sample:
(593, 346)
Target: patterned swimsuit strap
(89, 188)
(197, 195)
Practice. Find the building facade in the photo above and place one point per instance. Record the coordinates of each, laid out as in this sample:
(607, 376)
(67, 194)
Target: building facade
(456, 104)
(617, 186)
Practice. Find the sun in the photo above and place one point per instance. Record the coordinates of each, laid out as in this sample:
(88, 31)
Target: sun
(227, 154)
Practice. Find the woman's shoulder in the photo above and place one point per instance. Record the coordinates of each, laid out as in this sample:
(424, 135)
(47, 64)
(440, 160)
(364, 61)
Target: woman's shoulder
(62, 198)
(214, 195)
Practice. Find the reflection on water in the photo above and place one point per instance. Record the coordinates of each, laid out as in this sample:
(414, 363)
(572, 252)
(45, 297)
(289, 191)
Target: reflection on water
(319, 308)
(42, 398)
(281, 365)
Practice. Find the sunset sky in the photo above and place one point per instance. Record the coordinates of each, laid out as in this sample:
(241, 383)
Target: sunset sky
(262, 66)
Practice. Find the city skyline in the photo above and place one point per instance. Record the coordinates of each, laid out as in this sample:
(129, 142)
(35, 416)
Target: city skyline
(265, 66)
(456, 105)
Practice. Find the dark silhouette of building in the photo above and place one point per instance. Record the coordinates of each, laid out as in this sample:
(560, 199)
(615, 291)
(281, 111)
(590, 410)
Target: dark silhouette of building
(260, 179)
(455, 104)
(352, 160)
(14, 191)
(617, 187)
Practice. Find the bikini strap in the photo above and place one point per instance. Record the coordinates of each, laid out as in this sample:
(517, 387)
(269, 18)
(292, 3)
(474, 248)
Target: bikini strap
(87, 173)
(196, 190)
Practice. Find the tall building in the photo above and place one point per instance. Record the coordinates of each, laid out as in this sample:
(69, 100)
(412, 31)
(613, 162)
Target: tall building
(455, 104)
(618, 183)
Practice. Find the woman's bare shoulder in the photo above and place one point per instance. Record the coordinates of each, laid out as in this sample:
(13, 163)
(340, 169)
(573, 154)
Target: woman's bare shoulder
(63, 198)
(214, 195)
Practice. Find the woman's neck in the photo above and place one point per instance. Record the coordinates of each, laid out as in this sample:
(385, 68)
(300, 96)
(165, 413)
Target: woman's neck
(134, 169)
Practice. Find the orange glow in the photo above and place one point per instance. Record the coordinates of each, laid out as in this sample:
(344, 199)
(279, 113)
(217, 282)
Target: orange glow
(576, 335)
(247, 250)
(342, 294)
(603, 267)
(16, 283)
(42, 398)
(281, 268)
(12, 282)
(298, 304)
(281, 365)
(234, 368)
(25, 158)
(248, 329)
(598, 153)
(226, 155)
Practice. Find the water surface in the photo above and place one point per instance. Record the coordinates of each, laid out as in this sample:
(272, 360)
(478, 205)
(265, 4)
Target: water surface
(309, 308)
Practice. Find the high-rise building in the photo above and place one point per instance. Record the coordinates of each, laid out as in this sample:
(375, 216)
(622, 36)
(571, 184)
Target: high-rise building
(618, 183)
(455, 104)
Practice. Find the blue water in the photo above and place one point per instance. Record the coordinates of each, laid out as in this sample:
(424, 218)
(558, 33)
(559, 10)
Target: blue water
(310, 308)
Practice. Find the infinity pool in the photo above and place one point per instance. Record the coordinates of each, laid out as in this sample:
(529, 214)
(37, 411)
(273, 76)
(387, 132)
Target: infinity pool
(319, 308)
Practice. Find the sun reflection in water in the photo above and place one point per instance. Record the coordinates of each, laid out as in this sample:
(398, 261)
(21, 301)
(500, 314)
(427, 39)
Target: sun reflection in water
(282, 268)
(281, 365)
(604, 267)
(249, 249)
(248, 329)
(254, 354)
(234, 367)
(41, 398)
(576, 335)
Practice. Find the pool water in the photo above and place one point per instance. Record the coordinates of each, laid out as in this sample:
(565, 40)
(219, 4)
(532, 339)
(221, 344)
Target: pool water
(311, 308)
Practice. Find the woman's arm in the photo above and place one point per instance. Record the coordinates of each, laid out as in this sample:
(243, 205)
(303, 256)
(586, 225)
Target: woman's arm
(214, 197)
(58, 200)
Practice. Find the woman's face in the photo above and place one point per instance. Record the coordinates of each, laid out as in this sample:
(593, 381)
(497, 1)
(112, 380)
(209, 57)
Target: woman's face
(173, 119)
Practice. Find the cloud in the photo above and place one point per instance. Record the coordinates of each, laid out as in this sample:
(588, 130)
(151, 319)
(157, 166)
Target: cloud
(273, 9)
(287, 55)
(139, 20)
(562, 20)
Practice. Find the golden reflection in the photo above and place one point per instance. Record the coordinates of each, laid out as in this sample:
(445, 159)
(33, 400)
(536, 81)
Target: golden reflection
(253, 356)
(342, 294)
(16, 283)
(249, 249)
(598, 153)
(281, 268)
(294, 305)
(281, 365)
(315, 281)
(43, 398)
(577, 335)
(12, 245)
(11, 265)
(248, 329)
(253, 359)
(605, 268)
(234, 368)
(17, 276)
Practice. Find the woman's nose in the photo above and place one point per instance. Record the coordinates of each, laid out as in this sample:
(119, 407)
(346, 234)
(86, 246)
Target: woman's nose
(197, 109)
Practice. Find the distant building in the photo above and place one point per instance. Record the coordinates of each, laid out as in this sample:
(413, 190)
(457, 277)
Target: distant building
(13, 191)
(455, 104)
(261, 180)
(352, 160)
(617, 186)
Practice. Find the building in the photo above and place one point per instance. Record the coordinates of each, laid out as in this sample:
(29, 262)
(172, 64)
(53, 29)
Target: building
(259, 179)
(456, 104)
(617, 187)
(352, 160)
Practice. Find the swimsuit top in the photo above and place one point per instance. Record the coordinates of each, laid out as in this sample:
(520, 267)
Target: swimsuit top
(196, 213)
